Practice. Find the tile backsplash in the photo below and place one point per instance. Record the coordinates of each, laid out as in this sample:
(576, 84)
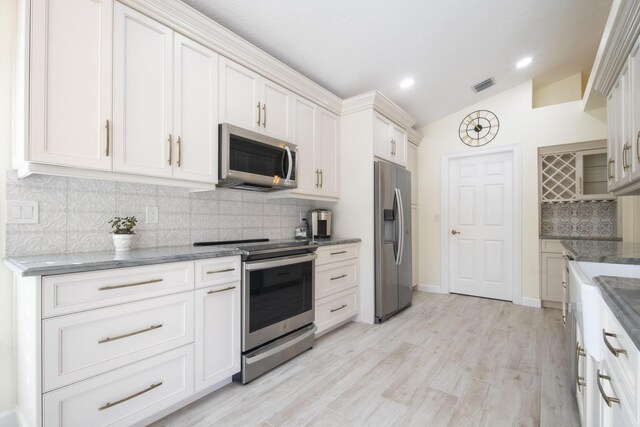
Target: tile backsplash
(590, 219)
(74, 214)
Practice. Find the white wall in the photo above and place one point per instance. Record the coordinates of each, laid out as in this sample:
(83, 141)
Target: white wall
(565, 90)
(519, 124)
(7, 37)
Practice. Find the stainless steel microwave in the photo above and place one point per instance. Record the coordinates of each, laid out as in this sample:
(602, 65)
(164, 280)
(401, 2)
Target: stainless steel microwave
(252, 161)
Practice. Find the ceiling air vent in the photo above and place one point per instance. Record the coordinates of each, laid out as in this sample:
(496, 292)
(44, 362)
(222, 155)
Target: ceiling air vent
(484, 85)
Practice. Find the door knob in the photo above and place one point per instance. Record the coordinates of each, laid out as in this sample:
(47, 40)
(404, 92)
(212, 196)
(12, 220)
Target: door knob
(454, 232)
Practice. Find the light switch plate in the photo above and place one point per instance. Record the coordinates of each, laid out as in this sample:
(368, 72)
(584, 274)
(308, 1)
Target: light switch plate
(22, 212)
(152, 215)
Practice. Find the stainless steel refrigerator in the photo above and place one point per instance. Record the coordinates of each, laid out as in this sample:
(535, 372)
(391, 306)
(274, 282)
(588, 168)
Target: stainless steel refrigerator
(392, 201)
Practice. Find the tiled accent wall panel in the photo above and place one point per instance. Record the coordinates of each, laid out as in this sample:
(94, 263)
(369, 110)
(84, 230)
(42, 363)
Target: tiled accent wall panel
(591, 219)
(74, 214)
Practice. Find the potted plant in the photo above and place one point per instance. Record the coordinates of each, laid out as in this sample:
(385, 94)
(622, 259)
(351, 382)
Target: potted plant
(123, 234)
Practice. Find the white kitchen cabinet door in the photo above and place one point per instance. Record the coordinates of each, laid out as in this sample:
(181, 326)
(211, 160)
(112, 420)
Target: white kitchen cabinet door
(304, 136)
(612, 141)
(195, 111)
(276, 110)
(70, 83)
(623, 127)
(381, 137)
(415, 262)
(327, 152)
(143, 87)
(239, 96)
(217, 334)
(399, 145)
(412, 166)
(634, 152)
(552, 266)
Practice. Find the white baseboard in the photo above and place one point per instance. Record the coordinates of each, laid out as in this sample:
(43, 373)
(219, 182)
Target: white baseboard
(531, 302)
(434, 289)
(8, 419)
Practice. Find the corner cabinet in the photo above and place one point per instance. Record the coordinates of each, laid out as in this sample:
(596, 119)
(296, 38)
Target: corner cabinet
(389, 140)
(253, 102)
(165, 121)
(156, 337)
(70, 84)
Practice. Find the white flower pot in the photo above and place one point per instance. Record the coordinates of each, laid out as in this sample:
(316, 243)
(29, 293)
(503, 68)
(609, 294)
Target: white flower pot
(123, 242)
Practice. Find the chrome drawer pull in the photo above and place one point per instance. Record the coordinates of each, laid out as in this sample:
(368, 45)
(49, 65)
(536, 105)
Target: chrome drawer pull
(607, 399)
(339, 277)
(141, 331)
(615, 351)
(146, 282)
(117, 402)
(580, 382)
(338, 253)
(221, 290)
(339, 308)
(224, 270)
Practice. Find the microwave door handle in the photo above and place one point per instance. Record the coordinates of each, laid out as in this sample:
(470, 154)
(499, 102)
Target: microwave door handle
(290, 163)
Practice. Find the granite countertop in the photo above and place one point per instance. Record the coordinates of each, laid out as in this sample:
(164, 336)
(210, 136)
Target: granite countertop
(622, 296)
(44, 265)
(595, 239)
(613, 252)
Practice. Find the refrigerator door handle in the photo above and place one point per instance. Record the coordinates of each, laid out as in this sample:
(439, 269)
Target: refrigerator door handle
(400, 239)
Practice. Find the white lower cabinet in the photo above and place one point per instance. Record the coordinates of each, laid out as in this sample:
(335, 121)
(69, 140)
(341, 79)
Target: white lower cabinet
(217, 334)
(117, 347)
(336, 286)
(124, 396)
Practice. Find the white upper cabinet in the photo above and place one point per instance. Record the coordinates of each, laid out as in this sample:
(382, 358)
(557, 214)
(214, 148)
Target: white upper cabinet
(611, 141)
(70, 83)
(250, 101)
(634, 152)
(389, 140)
(412, 166)
(166, 120)
(316, 132)
(143, 88)
(195, 112)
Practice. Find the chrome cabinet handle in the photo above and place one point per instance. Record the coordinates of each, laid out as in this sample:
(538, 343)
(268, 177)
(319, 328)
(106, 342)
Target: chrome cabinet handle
(179, 162)
(615, 351)
(221, 290)
(580, 188)
(339, 308)
(117, 402)
(624, 157)
(609, 169)
(259, 113)
(321, 178)
(607, 399)
(170, 149)
(454, 232)
(338, 253)
(317, 178)
(108, 137)
(264, 120)
(339, 277)
(146, 282)
(224, 270)
(580, 382)
(130, 334)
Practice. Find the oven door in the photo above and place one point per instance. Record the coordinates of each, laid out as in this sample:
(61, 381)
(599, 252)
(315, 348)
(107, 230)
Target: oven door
(278, 296)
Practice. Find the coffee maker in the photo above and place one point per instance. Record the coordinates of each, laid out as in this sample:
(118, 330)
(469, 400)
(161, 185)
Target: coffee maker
(319, 221)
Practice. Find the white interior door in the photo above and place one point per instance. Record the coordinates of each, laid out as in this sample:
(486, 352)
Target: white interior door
(481, 225)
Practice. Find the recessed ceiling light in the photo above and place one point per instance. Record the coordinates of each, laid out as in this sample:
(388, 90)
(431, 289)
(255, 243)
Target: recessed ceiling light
(524, 62)
(408, 82)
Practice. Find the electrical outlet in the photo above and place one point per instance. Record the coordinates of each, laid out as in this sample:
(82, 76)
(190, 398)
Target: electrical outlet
(152, 214)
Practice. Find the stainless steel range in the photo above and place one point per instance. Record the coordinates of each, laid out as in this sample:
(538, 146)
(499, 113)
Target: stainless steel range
(277, 302)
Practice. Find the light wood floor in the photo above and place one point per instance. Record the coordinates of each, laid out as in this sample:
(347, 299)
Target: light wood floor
(447, 360)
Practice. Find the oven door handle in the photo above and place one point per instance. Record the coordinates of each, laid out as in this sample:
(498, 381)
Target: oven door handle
(278, 262)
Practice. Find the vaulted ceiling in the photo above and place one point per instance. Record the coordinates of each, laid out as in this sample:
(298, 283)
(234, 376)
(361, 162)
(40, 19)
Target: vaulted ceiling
(355, 46)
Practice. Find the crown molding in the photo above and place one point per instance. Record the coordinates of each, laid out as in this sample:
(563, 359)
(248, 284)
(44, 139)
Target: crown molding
(380, 103)
(193, 24)
(620, 34)
(415, 137)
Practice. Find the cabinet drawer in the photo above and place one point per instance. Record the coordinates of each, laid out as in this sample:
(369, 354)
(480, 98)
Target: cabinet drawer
(69, 293)
(211, 272)
(335, 309)
(625, 364)
(554, 246)
(82, 345)
(124, 396)
(336, 253)
(335, 277)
